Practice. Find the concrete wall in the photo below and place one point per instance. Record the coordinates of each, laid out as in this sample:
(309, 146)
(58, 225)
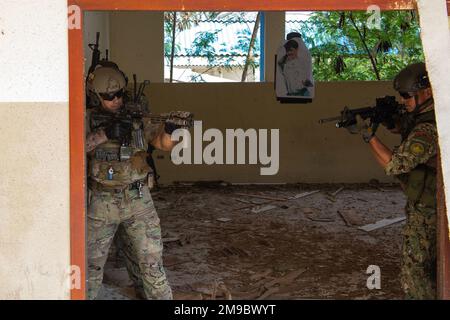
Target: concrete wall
(436, 44)
(274, 35)
(137, 43)
(95, 21)
(309, 152)
(34, 161)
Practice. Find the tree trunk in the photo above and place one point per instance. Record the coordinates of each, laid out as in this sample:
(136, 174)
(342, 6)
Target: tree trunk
(250, 48)
(172, 53)
(374, 65)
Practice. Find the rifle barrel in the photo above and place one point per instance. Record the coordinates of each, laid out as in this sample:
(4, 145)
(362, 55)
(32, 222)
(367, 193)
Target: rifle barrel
(330, 119)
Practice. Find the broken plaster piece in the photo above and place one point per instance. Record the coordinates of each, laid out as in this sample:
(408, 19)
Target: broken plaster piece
(381, 224)
(260, 209)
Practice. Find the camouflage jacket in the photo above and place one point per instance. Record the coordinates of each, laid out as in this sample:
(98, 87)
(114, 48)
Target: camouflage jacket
(414, 161)
(419, 147)
(106, 163)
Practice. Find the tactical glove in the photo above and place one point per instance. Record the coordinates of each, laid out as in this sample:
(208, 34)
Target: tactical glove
(178, 120)
(362, 127)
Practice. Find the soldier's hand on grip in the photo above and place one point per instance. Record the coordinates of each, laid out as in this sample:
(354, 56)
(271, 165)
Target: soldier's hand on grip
(178, 120)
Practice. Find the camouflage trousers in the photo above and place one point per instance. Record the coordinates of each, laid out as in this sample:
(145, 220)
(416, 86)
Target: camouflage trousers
(137, 223)
(418, 268)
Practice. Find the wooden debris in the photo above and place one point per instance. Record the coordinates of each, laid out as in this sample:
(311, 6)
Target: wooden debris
(224, 290)
(381, 224)
(224, 219)
(334, 194)
(267, 293)
(173, 239)
(351, 217)
(243, 201)
(304, 194)
(321, 219)
(233, 251)
(258, 276)
(260, 209)
(286, 279)
(316, 215)
(261, 197)
(309, 210)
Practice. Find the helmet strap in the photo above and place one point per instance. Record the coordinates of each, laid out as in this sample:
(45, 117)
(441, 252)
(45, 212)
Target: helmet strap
(420, 106)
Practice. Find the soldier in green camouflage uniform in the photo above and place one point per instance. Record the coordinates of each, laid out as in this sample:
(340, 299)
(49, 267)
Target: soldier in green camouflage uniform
(414, 164)
(120, 200)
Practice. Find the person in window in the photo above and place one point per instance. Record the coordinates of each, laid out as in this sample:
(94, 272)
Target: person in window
(295, 71)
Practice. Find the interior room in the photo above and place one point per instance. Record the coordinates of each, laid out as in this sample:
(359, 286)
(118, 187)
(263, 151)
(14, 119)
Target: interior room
(327, 217)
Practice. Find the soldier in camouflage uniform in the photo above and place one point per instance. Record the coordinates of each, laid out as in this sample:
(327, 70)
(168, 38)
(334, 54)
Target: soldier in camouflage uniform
(120, 200)
(414, 164)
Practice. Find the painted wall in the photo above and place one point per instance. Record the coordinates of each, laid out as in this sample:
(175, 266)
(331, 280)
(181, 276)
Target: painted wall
(274, 35)
(309, 152)
(137, 43)
(436, 43)
(34, 162)
(95, 21)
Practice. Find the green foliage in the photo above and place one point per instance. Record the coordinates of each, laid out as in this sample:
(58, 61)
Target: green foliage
(205, 42)
(203, 45)
(335, 37)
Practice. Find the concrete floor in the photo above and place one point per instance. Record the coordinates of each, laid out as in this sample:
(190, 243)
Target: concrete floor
(225, 242)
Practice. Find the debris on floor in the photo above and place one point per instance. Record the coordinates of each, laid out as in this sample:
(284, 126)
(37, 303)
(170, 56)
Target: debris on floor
(224, 241)
(381, 224)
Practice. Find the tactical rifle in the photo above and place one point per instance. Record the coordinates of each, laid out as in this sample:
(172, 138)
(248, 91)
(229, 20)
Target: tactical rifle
(386, 111)
(134, 121)
(95, 53)
(181, 118)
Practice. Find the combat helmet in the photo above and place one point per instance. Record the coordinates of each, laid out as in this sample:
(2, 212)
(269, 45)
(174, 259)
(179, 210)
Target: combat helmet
(411, 79)
(105, 82)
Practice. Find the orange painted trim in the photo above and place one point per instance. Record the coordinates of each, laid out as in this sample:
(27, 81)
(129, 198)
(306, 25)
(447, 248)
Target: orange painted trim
(238, 5)
(443, 239)
(77, 159)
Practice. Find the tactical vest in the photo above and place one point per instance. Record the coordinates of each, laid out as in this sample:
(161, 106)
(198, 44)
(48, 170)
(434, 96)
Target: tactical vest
(113, 164)
(420, 183)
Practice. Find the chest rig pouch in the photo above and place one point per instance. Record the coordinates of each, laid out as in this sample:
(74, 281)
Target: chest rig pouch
(119, 163)
(421, 185)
